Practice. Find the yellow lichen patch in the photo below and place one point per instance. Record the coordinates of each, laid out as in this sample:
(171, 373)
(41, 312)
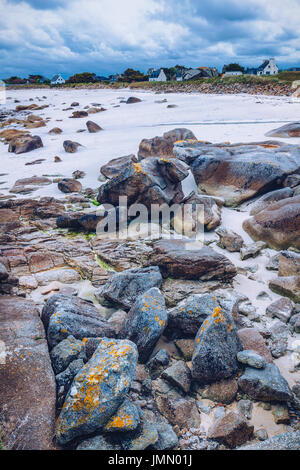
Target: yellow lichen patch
(119, 422)
(138, 167)
(159, 321)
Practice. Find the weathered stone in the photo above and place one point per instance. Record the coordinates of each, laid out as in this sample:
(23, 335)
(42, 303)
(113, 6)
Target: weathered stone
(230, 240)
(133, 100)
(278, 225)
(127, 418)
(287, 286)
(65, 352)
(252, 251)
(78, 114)
(145, 182)
(240, 171)
(270, 198)
(204, 211)
(186, 347)
(55, 131)
(253, 341)
(24, 144)
(186, 319)
(69, 185)
(124, 288)
(232, 430)
(167, 438)
(281, 415)
(163, 145)
(215, 349)
(27, 383)
(288, 264)
(98, 390)
(281, 309)
(93, 127)
(71, 147)
(179, 375)
(180, 259)
(3, 272)
(251, 359)
(182, 412)
(146, 322)
(224, 391)
(245, 408)
(117, 166)
(146, 437)
(99, 443)
(265, 384)
(64, 316)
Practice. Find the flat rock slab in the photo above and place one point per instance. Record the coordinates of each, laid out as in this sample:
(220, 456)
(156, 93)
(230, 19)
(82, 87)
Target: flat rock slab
(289, 130)
(27, 383)
(182, 260)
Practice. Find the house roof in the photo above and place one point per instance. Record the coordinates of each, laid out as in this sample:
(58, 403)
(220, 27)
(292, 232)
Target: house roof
(263, 65)
(56, 77)
(155, 74)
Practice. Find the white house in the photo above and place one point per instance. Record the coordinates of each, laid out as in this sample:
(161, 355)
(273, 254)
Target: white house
(232, 74)
(158, 76)
(58, 80)
(268, 68)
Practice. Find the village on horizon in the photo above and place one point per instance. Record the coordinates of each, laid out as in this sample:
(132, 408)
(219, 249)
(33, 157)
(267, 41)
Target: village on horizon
(178, 73)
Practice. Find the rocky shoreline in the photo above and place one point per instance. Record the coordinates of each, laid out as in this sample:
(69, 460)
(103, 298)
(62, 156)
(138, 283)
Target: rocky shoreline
(110, 343)
(255, 87)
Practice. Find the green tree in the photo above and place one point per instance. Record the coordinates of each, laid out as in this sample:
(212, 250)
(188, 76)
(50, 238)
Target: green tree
(84, 77)
(35, 78)
(14, 80)
(233, 68)
(131, 75)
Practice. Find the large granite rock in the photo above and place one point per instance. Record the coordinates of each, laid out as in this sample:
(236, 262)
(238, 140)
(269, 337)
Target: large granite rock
(163, 145)
(278, 225)
(27, 383)
(184, 260)
(215, 349)
(265, 384)
(64, 316)
(147, 182)
(146, 322)
(288, 286)
(98, 390)
(124, 288)
(239, 172)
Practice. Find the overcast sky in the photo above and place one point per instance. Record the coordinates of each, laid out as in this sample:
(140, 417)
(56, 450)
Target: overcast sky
(107, 36)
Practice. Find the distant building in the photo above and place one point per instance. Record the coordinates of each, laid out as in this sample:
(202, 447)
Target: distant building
(58, 80)
(114, 78)
(208, 72)
(158, 76)
(232, 74)
(179, 76)
(192, 74)
(268, 67)
(100, 78)
(251, 71)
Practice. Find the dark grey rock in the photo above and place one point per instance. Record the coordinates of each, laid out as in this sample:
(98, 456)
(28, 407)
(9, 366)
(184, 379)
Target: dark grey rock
(185, 319)
(179, 375)
(65, 352)
(265, 384)
(146, 322)
(64, 316)
(167, 438)
(215, 349)
(124, 288)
